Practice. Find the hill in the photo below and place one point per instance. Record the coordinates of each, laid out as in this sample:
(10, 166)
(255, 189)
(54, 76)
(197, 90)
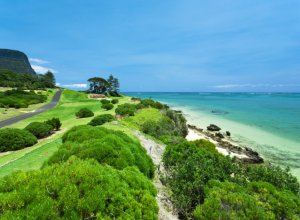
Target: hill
(15, 61)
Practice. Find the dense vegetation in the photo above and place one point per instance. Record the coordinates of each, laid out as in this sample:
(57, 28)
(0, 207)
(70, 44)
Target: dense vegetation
(78, 190)
(211, 186)
(26, 80)
(39, 129)
(84, 113)
(14, 139)
(106, 146)
(101, 119)
(168, 125)
(20, 99)
(126, 109)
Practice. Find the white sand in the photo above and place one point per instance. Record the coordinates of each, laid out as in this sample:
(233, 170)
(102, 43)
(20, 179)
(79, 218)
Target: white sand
(194, 135)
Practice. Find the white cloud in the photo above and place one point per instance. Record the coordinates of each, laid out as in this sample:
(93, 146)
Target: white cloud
(42, 69)
(38, 61)
(83, 85)
(57, 84)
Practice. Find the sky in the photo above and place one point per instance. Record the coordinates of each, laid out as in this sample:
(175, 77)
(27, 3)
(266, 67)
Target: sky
(160, 45)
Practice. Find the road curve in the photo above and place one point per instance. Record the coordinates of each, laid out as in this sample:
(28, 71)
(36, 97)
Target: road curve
(44, 108)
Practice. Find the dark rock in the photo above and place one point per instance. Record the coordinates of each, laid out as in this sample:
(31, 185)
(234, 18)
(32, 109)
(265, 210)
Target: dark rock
(228, 133)
(213, 127)
(195, 128)
(219, 135)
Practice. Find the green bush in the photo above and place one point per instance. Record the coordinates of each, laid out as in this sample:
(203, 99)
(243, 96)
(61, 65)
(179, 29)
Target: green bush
(78, 190)
(39, 129)
(257, 200)
(14, 139)
(108, 106)
(106, 146)
(281, 178)
(126, 109)
(54, 122)
(115, 101)
(84, 113)
(105, 101)
(190, 165)
(101, 119)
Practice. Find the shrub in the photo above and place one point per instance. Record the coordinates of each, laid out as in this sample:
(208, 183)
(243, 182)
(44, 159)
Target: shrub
(126, 109)
(14, 139)
(106, 146)
(190, 165)
(101, 119)
(281, 178)
(108, 106)
(115, 101)
(54, 122)
(39, 129)
(257, 200)
(78, 190)
(84, 113)
(104, 101)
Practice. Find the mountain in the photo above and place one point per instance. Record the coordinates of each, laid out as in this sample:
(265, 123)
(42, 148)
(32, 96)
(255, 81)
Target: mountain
(15, 61)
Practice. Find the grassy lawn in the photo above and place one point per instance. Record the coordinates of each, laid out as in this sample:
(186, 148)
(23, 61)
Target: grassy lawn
(12, 112)
(33, 157)
(140, 117)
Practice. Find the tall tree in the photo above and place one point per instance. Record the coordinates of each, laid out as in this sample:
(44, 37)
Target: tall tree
(114, 83)
(98, 85)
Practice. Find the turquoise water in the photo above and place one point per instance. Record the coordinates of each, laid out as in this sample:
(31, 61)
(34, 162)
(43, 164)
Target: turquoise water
(267, 122)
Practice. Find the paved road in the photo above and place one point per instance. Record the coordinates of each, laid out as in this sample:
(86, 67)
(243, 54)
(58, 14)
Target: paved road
(44, 108)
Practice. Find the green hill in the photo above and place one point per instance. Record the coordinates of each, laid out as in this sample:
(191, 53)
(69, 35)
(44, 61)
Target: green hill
(15, 61)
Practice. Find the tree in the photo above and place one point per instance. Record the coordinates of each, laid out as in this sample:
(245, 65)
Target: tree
(114, 84)
(98, 85)
(49, 77)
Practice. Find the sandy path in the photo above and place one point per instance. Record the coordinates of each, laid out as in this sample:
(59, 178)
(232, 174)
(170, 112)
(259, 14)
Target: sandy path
(155, 151)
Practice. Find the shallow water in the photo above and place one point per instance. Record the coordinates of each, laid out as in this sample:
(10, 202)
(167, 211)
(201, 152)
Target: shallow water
(266, 122)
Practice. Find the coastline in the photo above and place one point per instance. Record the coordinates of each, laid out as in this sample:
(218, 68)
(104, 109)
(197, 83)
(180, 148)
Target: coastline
(260, 141)
(225, 145)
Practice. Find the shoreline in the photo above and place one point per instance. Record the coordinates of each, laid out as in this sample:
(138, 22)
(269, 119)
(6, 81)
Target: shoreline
(225, 145)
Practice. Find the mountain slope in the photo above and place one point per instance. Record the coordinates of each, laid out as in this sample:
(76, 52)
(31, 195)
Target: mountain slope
(15, 61)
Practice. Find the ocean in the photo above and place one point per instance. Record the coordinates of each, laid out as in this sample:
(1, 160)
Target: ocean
(266, 122)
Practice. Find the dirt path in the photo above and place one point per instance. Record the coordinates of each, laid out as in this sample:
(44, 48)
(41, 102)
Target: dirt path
(156, 150)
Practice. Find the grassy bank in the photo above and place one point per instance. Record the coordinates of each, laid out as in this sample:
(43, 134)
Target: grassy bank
(33, 157)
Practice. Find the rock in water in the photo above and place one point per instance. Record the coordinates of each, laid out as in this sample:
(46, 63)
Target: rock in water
(213, 127)
(15, 61)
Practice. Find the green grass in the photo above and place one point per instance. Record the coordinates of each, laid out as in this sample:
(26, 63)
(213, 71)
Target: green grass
(33, 157)
(12, 112)
(141, 116)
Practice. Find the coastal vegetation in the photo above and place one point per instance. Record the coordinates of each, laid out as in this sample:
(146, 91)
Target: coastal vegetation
(78, 189)
(208, 185)
(106, 146)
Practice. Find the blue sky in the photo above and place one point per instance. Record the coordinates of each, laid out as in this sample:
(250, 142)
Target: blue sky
(160, 45)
